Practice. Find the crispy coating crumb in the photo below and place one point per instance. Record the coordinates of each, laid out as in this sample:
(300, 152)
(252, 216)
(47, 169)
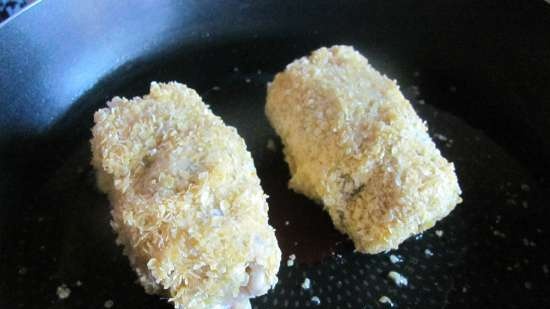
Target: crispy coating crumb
(306, 284)
(63, 292)
(397, 278)
(315, 300)
(386, 300)
(187, 203)
(395, 259)
(108, 304)
(271, 145)
(355, 144)
(290, 261)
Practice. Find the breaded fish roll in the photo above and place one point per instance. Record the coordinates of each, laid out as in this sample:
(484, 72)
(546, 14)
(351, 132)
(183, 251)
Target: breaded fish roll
(356, 145)
(187, 205)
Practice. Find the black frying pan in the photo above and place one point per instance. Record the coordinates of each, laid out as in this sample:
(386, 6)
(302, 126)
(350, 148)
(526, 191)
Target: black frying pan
(478, 71)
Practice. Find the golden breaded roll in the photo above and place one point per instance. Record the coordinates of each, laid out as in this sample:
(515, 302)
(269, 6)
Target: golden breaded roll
(355, 144)
(187, 203)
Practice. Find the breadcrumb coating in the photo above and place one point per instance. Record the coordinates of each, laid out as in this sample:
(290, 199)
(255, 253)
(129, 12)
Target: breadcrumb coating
(356, 145)
(187, 205)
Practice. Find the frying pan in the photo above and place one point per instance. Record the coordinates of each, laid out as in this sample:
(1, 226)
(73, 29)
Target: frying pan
(477, 71)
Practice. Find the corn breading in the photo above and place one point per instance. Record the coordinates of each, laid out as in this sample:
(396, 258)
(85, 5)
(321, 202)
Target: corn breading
(187, 205)
(355, 144)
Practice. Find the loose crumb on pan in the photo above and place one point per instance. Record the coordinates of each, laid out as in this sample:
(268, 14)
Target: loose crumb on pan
(441, 137)
(395, 259)
(428, 253)
(108, 304)
(78, 283)
(511, 201)
(439, 233)
(306, 284)
(290, 261)
(545, 269)
(22, 271)
(315, 300)
(287, 223)
(398, 279)
(386, 300)
(528, 243)
(415, 91)
(63, 292)
(271, 145)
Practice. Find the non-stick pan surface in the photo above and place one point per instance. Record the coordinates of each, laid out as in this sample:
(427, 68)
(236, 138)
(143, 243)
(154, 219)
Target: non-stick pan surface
(477, 71)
